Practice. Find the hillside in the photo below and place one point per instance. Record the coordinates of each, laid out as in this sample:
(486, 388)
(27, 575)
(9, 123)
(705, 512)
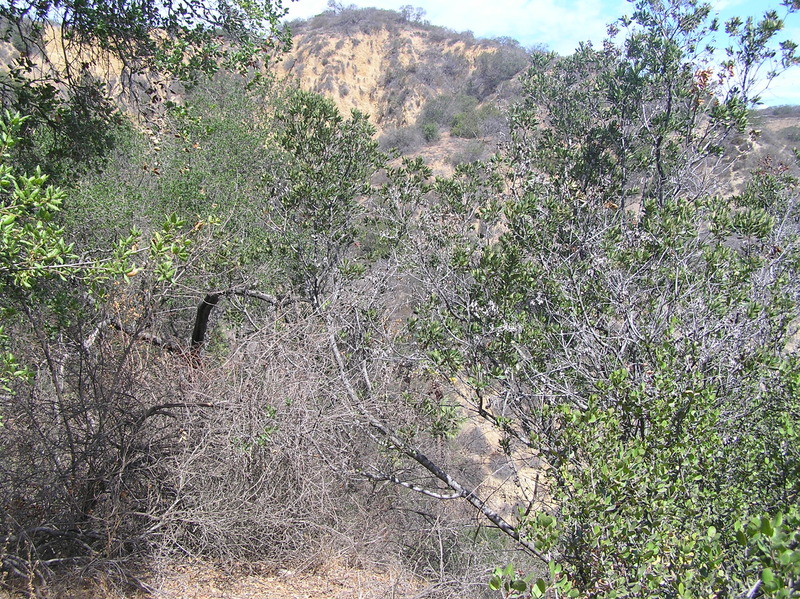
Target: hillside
(430, 91)
(437, 93)
(389, 66)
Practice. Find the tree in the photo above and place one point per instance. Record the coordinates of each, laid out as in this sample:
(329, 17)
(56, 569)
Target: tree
(412, 13)
(326, 168)
(76, 58)
(612, 316)
(31, 246)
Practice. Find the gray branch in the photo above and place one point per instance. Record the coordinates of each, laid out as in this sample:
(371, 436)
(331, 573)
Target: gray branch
(423, 460)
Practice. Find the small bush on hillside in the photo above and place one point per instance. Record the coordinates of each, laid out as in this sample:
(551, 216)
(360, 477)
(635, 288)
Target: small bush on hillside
(473, 152)
(791, 134)
(492, 121)
(461, 115)
(442, 69)
(405, 140)
(493, 68)
(443, 109)
(466, 124)
(430, 131)
(439, 34)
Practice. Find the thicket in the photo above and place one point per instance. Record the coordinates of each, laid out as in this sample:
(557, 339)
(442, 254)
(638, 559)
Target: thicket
(405, 139)
(459, 115)
(123, 441)
(250, 337)
(615, 317)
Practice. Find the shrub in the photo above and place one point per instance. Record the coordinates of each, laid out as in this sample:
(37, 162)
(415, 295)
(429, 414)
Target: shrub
(403, 139)
(473, 151)
(484, 121)
(430, 131)
(491, 120)
(791, 134)
(442, 110)
(466, 124)
(493, 68)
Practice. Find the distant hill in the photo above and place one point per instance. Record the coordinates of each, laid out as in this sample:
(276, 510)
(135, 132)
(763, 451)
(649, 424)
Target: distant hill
(429, 90)
(439, 93)
(388, 65)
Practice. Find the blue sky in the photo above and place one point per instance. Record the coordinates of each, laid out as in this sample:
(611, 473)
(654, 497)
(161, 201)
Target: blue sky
(561, 24)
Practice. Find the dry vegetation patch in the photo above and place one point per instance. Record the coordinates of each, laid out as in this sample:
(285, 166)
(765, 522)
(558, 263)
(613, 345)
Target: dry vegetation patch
(200, 580)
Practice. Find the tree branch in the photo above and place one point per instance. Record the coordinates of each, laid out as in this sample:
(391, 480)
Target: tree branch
(423, 460)
(168, 344)
(407, 485)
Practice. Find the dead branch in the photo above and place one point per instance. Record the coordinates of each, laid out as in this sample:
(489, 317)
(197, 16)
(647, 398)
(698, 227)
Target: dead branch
(415, 454)
(407, 485)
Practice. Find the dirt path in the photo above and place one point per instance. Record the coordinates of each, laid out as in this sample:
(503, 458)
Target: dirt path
(333, 583)
(207, 582)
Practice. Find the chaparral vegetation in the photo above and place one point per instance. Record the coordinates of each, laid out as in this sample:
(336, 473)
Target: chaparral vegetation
(237, 325)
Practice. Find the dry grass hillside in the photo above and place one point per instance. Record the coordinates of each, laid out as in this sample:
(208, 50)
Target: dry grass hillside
(429, 91)
(377, 72)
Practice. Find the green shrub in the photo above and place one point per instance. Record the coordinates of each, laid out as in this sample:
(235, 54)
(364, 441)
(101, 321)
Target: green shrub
(461, 115)
(466, 124)
(430, 131)
(443, 109)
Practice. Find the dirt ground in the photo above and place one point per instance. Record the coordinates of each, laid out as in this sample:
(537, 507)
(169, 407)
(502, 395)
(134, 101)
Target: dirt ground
(201, 581)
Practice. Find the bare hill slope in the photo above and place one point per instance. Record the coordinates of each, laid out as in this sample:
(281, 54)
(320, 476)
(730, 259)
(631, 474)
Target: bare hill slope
(388, 66)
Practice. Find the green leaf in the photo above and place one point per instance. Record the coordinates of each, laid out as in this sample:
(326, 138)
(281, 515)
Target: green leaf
(538, 589)
(766, 527)
(789, 557)
(741, 538)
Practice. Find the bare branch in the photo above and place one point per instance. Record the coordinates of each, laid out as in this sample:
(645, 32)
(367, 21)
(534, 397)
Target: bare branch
(469, 495)
(407, 485)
